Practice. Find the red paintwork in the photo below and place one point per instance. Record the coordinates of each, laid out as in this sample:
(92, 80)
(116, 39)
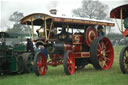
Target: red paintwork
(77, 39)
(67, 46)
(125, 33)
(115, 13)
(76, 48)
(41, 64)
(56, 56)
(71, 63)
(105, 44)
(56, 59)
(81, 54)
(54, 62)
(90, 34)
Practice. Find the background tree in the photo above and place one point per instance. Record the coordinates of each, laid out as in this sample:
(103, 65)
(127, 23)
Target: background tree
(17, 27)
(16, 17)
(92, 9)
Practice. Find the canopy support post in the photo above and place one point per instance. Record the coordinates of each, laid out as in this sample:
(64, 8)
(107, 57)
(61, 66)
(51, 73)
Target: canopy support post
(50, 29)
(32, 29)
(45, 28)
(121, 20)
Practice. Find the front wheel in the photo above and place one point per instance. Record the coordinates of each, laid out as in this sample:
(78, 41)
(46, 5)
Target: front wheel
(40, 64)
(124, 60)
(69, 62)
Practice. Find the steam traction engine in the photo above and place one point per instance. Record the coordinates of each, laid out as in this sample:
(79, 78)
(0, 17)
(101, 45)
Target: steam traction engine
(121, 12)
(73, 42)
(14, 58)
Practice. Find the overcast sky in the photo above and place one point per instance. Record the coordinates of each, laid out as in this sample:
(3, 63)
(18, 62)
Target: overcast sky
(7, 7)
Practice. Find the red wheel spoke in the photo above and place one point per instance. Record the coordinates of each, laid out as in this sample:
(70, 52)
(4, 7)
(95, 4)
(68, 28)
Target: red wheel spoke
(105, 65)
(99, 46)
(102, 45)
(39, 63)
(70, 67)
(106, 58)
(101, 62)
(41, 68)
(99, 54)
(108, 51)
(69, 58)
(99, 50)
(107, 55)
(68, 63)
(106, 43)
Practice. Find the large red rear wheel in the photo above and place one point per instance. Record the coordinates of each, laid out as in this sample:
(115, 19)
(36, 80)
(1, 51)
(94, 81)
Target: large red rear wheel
(124, 60)
(40, 64)
(101, 52)
(69, 62)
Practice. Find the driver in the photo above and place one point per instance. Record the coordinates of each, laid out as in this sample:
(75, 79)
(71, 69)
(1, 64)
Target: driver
(101, 31)
(29, 45)
(41, 33)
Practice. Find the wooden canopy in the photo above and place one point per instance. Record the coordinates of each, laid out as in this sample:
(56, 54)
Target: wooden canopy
(116, 12)
(38, 19)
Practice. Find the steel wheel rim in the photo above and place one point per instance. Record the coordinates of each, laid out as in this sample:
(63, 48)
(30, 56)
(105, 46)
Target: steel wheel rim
(125, 60)
(20, 69)
(71, 63)
(105, 53)
(30, 63)
(41, 64)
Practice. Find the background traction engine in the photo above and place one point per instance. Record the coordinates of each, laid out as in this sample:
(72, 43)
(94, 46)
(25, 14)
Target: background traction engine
(121, 12)
(14, 58)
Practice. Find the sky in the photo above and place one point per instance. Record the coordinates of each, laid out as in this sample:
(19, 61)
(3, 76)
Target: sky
(7, 7)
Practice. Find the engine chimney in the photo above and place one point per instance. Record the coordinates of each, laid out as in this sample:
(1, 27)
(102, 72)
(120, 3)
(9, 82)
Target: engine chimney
(53, 11)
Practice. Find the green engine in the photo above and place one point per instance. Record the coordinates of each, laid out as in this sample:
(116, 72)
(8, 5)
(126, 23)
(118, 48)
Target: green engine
(14, 58)
(10, 58)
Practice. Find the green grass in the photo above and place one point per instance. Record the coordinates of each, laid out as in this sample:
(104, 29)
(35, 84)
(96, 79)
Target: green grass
(87, 76)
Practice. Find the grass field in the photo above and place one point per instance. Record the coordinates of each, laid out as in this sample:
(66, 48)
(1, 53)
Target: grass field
(87, 76)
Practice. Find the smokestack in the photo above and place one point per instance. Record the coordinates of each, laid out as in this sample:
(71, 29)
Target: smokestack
(53, 11)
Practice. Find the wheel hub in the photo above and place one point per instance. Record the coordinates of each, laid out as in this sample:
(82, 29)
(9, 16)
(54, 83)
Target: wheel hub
(70, 62)
(103, 54)
(32, 63)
